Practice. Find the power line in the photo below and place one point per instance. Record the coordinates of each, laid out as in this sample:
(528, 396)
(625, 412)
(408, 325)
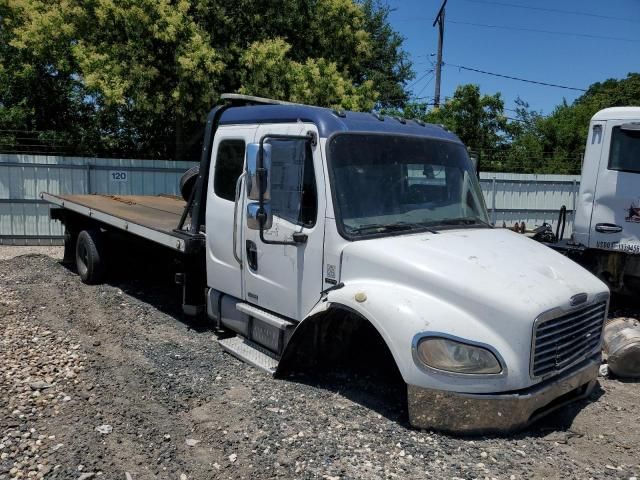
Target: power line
(426, 72)
(425, 86)
(516, 78)
(551, 32)
(554, 10)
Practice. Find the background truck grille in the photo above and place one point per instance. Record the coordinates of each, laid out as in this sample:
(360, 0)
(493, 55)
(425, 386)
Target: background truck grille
(559, 342)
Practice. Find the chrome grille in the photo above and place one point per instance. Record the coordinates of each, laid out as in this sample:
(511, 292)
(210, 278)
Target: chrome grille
(562, 341)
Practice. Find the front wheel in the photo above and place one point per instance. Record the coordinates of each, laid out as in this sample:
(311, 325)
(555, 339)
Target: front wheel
(90, 257)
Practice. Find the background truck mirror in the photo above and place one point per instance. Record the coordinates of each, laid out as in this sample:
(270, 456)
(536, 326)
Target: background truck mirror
(253, 182)
(253, 222)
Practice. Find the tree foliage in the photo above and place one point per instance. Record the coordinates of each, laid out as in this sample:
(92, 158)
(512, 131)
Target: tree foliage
(477, 119)
(114, 75)
(137, 77)
(526, 141)
(556, 143)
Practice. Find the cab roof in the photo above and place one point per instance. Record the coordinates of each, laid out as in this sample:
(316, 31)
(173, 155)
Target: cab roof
(330, 121)
(618, 113)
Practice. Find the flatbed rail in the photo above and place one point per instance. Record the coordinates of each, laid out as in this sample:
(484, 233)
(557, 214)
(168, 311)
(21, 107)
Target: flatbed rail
(154, 218)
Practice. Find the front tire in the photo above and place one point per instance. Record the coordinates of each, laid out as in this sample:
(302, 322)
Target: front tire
(90, 257)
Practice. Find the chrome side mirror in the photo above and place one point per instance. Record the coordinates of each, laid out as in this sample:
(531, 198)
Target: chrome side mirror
(253, 222)
(255, 181)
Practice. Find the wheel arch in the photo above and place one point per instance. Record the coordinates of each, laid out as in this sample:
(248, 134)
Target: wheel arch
(331, 327)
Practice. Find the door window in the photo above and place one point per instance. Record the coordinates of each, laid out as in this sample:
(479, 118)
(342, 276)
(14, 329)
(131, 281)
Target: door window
(625, 151)
(293, 184)
(229, 165)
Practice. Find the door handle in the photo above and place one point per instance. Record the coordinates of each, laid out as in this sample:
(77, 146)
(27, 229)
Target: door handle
(608, 228)
(235, 219)
(252, 255)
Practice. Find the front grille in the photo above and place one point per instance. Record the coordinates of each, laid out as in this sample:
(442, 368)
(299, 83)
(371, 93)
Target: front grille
(562, 341)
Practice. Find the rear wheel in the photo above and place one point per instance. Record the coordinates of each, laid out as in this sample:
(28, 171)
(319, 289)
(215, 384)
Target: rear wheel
(90, 257)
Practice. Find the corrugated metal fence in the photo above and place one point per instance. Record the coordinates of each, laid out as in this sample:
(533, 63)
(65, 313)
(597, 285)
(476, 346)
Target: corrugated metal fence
(532, 199)
(24, 218)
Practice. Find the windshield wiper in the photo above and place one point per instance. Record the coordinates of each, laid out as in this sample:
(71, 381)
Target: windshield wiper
(463, 221)
(390, 227)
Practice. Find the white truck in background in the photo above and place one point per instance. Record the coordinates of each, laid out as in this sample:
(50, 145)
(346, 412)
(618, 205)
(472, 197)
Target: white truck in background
(309, 232)
(606, 232)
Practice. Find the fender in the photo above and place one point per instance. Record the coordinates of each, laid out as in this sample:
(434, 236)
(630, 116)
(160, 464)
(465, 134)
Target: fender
(398, 313)
(388, 308)
(375, 307)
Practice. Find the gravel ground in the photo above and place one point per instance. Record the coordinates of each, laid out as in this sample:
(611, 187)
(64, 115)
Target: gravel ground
(110, 382)
(7, 252)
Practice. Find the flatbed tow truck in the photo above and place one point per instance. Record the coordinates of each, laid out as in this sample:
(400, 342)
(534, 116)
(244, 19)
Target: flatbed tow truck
(306, 232)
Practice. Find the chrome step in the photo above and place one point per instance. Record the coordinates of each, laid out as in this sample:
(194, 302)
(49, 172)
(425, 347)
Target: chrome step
(250, 353)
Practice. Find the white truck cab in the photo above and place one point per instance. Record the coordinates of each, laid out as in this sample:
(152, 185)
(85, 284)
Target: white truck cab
(315, 225)
(607, 223)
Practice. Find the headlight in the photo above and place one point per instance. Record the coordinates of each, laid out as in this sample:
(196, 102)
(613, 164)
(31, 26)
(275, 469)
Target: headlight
(457, 357)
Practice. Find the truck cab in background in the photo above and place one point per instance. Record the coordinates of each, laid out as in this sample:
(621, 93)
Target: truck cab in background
(606, 236)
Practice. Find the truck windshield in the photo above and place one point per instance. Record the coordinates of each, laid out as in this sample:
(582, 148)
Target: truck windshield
(385, 184)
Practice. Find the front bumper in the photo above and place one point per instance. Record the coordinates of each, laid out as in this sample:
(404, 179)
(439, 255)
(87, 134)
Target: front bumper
(469, 413)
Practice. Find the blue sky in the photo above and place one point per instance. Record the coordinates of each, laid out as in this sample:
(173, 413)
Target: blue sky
(574, 61)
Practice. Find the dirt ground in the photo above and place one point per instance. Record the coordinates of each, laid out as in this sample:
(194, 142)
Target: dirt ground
(111, 382)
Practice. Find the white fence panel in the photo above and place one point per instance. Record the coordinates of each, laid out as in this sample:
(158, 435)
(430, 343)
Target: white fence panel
(529, 198)
(24, 217)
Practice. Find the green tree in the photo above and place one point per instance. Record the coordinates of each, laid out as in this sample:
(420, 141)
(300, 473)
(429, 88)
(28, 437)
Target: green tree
(477, 119)
(127, 75)
(529, 142)
(555, 143)
(269, 73)
(388, 66)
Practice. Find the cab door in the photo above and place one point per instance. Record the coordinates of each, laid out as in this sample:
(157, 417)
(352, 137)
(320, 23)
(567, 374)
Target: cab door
(223, 214)
(287, 279)
(615, 223)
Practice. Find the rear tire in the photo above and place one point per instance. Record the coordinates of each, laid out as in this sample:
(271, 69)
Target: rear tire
(90, 257)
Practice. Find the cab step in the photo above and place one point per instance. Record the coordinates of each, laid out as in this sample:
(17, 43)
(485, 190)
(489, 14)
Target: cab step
(269, 318)
(250, 353)
(266, 329)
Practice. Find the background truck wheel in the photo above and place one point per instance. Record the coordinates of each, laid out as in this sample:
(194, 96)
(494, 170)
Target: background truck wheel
(188, 182)
(90, 257)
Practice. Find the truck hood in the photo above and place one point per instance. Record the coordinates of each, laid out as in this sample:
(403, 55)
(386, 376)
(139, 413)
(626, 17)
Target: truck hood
(489, 273)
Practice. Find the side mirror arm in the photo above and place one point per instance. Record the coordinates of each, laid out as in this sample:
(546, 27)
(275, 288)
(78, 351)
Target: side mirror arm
(299, 238)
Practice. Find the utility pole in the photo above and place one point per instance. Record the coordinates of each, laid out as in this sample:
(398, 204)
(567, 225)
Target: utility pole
(440, 21)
